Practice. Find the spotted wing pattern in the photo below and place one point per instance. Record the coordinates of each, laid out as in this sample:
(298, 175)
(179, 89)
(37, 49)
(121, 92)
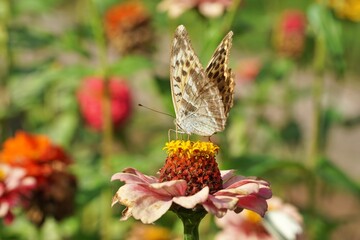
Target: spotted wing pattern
(201, 98)
(218, 71)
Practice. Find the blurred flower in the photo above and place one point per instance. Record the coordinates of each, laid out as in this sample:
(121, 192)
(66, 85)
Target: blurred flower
(54, 191)
(281, 220)
(15, 186)
(208, 8)
(90, 100)
(289, 34)
(35, 153)
(348, 9)
(128, 28)
(54, 197)
(190, 179)
(247, 70)
(149, 232)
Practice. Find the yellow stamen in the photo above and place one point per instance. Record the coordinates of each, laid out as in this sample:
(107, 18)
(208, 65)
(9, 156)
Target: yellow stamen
(191, 148)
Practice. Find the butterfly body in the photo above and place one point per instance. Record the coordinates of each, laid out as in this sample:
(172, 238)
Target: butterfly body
(202, 98)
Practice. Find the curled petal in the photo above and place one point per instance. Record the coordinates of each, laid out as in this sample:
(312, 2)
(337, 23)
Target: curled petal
(142, 203)
(211, 208)
(171, 188)
(224, 202)
(230, 178)
(191, 201)
(254, 203)
(131, 175)
(241, 190)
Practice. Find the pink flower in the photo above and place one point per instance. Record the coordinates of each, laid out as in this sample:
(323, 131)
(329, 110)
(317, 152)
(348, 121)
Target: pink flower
(281, 220)
(90, 101)
(14, 186)
(208, 8)
(194, 186)
(289, 34)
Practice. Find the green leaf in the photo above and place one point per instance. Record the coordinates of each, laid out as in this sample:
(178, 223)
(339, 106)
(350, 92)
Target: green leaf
(334, 176)
(318, 226)
(261, 165)
(129, 65)
(63, 128)
(34, 6)
(326, 27)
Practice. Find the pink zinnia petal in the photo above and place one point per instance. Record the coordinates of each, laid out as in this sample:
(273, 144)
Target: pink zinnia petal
(142, 203)
(130, 175)
(211, 208)
(191, 201)
(171, 188)
(246, 189)
(254, 203)
(224, 202)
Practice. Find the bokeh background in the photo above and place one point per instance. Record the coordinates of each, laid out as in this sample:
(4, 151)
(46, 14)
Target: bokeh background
(75, 72)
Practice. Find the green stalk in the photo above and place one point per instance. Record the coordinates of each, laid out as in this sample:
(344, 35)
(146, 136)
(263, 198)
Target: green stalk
(223, 28)
(191, 220)
(317, 94)
(107, 141)
(5, 53)
(230, 16)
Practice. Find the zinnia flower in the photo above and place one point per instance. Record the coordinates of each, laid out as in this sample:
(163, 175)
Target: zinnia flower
(189, 180)
(289, 34)
(15, 187)
(90, 100)
(208, 8)
(35, 153)
(282, 221)
(348, 9)
(128, 28)
(54, 192)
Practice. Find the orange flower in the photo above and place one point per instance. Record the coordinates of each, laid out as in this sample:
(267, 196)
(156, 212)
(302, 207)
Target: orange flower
(35, 153)
(54, 192)
(128, 28)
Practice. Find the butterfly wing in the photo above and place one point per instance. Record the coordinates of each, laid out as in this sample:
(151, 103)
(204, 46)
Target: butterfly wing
(218, 71)
(197, 102)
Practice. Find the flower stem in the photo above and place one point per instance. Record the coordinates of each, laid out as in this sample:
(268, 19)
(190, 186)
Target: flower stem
(230, 16)
(107, 142)
(5, 51)
(191, 221)
(317, 94)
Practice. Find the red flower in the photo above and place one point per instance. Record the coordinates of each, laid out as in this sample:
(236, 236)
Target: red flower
(90, 100)
(289, 35)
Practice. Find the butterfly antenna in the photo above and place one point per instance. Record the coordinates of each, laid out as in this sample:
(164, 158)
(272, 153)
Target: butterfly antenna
(140, 105)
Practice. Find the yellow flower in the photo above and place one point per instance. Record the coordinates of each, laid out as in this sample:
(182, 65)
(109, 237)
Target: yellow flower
(348, 9)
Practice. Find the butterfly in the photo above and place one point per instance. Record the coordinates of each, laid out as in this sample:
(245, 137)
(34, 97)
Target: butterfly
(202, 98)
